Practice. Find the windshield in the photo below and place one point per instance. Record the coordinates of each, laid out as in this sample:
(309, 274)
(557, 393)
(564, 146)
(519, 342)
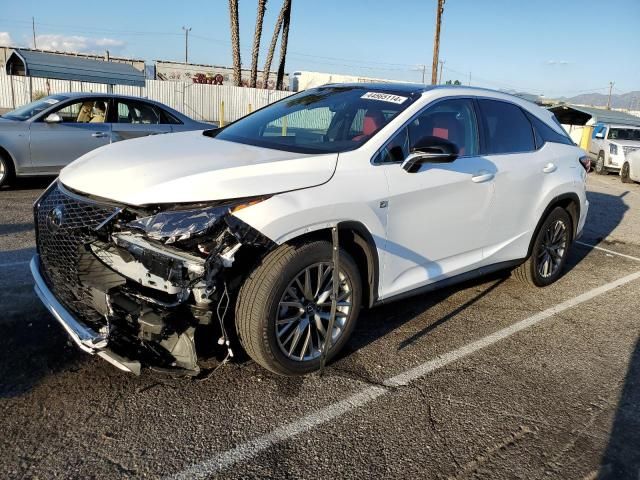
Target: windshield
(624, 134)
(30, 109)
(321, 120)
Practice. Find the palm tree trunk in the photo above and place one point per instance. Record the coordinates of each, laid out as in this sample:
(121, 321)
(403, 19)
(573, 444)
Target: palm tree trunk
(262, 6)
(235, 42)
(283, 44)
(272, 47)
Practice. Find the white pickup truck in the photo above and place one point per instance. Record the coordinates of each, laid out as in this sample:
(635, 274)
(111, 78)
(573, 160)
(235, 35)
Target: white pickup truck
(611, 144)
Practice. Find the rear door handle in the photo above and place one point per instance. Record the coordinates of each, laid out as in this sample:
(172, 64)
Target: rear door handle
(99, 134)
(482, 176)
(549, 168)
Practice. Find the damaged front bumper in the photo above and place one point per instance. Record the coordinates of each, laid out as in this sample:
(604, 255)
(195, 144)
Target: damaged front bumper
(83, 336)
(141, 291)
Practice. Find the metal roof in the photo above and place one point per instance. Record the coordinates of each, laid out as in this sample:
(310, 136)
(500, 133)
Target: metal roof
(65, 67)
(599, 115)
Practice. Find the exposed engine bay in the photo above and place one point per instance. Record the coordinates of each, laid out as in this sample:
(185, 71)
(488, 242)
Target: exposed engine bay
(156, 282)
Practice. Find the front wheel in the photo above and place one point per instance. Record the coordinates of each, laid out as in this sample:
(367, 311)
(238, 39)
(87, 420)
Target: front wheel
(600, 168)
(549, 252)
(6, 171)
(283, 308)
(624, 173)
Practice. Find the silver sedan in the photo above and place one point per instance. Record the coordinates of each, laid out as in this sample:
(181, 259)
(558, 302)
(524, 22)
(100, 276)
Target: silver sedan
(43, 136)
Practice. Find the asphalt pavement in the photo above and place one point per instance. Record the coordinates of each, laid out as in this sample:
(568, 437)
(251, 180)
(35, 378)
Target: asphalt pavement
(489, 379)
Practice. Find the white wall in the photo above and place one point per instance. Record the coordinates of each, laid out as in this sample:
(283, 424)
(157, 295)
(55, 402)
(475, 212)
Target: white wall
(201, 102)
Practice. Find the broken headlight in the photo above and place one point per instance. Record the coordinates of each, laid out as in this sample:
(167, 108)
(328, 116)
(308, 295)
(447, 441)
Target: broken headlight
(171, 226)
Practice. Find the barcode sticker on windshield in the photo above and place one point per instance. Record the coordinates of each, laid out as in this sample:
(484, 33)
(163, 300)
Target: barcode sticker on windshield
(384, 97)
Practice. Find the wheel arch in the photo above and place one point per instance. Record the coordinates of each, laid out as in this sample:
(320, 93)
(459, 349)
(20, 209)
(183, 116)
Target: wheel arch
(356, 239)
(569, 202)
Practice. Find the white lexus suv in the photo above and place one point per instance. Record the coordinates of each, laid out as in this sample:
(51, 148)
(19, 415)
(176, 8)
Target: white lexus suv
(169, 250)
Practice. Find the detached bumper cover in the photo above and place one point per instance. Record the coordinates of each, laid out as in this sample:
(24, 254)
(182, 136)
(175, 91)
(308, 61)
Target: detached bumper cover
(83, 336)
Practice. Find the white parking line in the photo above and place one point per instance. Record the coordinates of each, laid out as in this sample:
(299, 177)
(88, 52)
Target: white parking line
(251, 448)
(14, 264)
(608, 251)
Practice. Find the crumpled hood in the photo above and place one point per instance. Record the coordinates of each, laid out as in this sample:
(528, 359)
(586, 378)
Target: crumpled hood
(191, 167)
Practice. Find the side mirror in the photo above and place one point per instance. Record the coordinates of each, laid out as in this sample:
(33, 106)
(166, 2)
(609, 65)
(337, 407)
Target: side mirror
(430, 150)
(53, 118)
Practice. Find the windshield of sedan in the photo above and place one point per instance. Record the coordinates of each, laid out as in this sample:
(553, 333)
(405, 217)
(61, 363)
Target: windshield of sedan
(31, 109)
(624, 134)
(321, 120)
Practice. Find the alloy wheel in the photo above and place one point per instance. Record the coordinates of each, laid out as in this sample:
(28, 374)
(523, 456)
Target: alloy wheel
(3, 171)
(304, 311)
(552, 249)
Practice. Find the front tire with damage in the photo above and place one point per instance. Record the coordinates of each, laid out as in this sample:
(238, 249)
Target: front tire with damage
(282, 308)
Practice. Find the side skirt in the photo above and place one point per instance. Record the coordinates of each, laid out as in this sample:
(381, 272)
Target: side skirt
(447, 282)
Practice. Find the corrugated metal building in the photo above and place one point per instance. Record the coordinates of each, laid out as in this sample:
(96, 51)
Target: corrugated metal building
(31, 63)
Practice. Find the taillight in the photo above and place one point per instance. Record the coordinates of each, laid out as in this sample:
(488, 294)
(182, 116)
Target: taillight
(585, 161)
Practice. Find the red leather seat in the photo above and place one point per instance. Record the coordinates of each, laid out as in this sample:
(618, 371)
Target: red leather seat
(372, 122)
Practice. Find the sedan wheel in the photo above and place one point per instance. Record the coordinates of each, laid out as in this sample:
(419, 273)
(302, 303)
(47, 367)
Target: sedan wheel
(6, 171)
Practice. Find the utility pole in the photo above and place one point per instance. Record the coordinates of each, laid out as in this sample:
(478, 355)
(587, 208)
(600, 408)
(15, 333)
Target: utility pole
(469, 78)
(33, 29)
(441, 68)
(186, 43)
(423, 69)
(609, 99)
(436, 43)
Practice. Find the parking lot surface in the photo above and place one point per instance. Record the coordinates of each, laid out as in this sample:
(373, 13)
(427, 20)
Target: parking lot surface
(488, 379)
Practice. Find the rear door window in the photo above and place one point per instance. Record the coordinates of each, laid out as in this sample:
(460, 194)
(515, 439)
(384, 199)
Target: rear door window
(507, 129)
(137, 113)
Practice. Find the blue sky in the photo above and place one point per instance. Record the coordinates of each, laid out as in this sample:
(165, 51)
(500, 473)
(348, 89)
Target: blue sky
(552, 47)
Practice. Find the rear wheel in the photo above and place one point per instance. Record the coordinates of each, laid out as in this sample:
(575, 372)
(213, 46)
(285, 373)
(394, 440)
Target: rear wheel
(6, 170)
(624, 173)
(549, 251)
(283, 308)
(600, 168)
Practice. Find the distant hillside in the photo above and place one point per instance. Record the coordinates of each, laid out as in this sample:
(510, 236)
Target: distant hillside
(624, 100)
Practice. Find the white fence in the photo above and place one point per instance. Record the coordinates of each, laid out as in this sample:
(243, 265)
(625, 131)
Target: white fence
(199, 101)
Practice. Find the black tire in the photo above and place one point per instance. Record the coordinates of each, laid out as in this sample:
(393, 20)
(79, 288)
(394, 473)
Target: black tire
(530, 271)
(259, 300)
(7, 173)
(624, 173)
(600, 168)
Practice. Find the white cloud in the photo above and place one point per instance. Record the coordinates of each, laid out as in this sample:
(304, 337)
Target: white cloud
(557, 62)
(5, 39)
(74, 43)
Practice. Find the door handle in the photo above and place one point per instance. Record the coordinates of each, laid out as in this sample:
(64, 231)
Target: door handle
(99, 134)
(549, 168)
(482, 176)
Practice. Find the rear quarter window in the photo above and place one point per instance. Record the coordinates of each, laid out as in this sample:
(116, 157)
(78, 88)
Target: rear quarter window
(507, 129)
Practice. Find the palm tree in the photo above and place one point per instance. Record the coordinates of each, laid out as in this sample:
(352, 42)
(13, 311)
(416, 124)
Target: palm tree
(262, 6)
(272, 47)
(283, 44)
(235, 41)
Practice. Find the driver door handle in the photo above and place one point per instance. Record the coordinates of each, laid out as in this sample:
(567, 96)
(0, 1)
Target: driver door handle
(482, 176)
(549, 168)
(99, 134)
